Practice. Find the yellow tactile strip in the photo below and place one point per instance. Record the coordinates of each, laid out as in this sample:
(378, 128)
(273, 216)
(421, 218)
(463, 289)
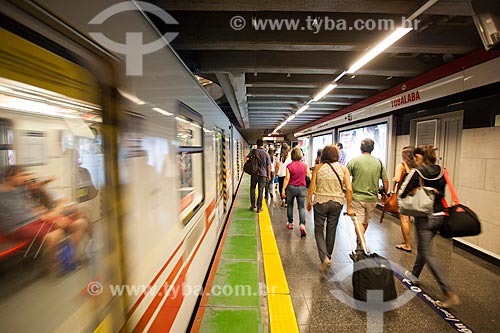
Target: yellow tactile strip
(281, 314)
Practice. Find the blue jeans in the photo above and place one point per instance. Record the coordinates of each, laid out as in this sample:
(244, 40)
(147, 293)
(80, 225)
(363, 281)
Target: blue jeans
(299, 192)
(329, 211)
(270, 186)
(426, 230)
(254, 180)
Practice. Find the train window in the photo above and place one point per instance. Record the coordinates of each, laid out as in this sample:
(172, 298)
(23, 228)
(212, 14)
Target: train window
(6, 138)
(190, 160)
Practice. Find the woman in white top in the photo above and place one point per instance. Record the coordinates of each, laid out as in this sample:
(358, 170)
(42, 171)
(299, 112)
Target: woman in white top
(327, 184)
(269, 186)
(284, 160)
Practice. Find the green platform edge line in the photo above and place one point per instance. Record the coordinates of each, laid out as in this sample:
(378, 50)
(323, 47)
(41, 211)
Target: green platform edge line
(237, 272)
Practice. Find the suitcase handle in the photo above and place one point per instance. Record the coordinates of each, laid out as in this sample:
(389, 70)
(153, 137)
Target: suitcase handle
(361, 236)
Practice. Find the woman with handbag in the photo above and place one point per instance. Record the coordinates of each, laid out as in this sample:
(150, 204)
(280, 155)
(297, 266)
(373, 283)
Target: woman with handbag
(402, 170)
(327, 183)
(429, 174)
(294, 186)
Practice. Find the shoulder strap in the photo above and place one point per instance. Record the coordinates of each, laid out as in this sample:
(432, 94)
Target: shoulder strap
(454, 195)
(336, 174)
(381, 168)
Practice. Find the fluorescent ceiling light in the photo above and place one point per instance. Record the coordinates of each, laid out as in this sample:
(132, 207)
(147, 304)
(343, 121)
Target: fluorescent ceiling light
(340, 76)
(290, 118)
(323, 92)
(379, 48)
(302, 109)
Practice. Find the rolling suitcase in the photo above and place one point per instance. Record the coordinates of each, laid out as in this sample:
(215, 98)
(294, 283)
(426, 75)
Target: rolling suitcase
(371, 272)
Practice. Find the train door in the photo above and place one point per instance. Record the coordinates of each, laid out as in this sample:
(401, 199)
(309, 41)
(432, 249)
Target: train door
(445, 133)
(220, 150)
(55, 134)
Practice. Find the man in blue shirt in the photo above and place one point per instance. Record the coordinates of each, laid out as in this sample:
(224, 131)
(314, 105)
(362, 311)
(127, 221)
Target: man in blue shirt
(262, 176)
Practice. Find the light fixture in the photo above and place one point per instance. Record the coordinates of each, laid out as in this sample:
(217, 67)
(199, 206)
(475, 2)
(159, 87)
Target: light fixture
(302, 109)
(379, 48)
(323, 92)
(291, 118)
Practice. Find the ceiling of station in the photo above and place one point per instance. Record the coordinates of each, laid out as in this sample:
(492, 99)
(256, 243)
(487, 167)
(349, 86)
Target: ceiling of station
(266, 75)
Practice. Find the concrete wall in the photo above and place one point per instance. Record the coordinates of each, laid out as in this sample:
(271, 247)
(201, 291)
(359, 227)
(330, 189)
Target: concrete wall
(479, 184)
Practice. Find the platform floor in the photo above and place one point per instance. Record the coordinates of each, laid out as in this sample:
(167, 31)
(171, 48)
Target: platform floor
(319, 300)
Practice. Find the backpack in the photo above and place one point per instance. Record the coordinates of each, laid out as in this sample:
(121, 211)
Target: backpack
(252, 164)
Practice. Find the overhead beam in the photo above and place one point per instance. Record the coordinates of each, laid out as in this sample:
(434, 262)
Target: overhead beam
(443, 7)
(241, 114)
(303, 63)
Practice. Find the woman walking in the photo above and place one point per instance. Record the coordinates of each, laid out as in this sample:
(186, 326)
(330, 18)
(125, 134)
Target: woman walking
(432, 176)
(294, 186)
(402, 170)
(329, 178)
(284, 160)
(269, 190)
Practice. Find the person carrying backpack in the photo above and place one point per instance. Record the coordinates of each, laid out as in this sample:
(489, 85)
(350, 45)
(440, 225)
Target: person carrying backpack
(261, 174)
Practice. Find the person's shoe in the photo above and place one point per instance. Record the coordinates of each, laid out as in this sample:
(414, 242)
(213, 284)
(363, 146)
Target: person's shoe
(253, 207)
(324, 265)
(410, 276)
(303, 231)
(259, 210)
(450, 302)
(403, 247)
(289, 225)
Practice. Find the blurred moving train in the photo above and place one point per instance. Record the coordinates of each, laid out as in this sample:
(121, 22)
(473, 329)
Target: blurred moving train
(166, 161)
(163, 157)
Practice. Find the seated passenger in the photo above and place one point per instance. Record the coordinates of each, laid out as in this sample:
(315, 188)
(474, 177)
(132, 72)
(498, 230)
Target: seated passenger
(84, 185)
(22, 219)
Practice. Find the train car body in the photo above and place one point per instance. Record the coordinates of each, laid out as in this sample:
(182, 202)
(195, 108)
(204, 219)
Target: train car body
(162, 163)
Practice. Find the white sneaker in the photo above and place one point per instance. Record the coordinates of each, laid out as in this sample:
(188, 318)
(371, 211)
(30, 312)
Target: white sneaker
(412, 278)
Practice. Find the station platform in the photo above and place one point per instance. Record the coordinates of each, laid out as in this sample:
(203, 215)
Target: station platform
(287, 293)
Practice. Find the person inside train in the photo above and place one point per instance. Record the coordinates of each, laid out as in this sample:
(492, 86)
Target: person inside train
(427, 227)
(402, 170)
(262, 177)
(22, 218)
(294, 186)
(366, 170)
(329, 179)
(283, 161)
(85, 188)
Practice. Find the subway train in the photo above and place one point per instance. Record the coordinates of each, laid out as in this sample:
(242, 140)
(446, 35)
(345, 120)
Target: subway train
(137, 147)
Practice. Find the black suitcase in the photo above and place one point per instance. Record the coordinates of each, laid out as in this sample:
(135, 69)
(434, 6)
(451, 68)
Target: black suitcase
(371, 272)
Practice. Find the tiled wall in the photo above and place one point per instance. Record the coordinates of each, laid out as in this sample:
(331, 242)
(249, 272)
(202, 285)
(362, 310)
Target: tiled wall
(478, 182)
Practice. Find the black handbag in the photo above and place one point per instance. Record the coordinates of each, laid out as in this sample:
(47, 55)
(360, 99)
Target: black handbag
(460, 220)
